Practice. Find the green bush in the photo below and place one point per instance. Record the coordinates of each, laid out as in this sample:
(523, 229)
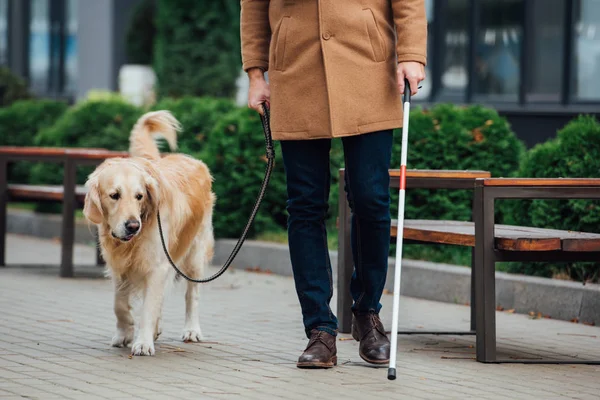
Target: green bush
(235, 154)
(198, 116)
(197, 47)
(12, 88)
(141, 32)
(20, 122)
(574, 153)
(95, 124)
(456, 138)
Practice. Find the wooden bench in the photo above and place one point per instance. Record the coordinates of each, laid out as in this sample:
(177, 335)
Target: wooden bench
(69, 194)
(490, 242)
(494, 243)
(415, 179)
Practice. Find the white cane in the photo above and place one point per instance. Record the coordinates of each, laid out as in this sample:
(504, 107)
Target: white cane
(398, 269)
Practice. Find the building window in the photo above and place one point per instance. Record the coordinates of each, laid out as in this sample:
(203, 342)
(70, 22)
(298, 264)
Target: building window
(454, 72)
(39, 46)
(3, 32)
(498, 50)
(544, 59)
(586, 66)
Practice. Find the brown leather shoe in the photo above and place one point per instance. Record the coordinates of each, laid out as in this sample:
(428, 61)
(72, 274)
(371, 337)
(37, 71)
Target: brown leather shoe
(374, 345)
(320, 351)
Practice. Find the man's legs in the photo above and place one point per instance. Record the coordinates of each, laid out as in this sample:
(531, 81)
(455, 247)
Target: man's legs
(367, 159)
(308, 181)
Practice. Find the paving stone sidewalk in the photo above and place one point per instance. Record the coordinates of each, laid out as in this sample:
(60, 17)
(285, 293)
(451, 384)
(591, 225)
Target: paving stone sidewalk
(55, 335)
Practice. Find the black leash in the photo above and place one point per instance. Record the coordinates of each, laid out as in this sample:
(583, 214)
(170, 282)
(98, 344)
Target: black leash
(270, 152)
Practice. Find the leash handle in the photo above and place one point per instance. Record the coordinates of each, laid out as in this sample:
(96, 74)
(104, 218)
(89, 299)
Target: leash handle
(270, 153)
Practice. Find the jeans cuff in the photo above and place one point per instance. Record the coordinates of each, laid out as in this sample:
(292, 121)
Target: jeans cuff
(327, 329)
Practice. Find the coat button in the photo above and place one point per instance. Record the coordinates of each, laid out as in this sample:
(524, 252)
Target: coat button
(326, 35)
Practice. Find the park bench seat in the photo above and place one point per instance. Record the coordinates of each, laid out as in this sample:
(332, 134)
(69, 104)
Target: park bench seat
(506, 237)
(19, 192)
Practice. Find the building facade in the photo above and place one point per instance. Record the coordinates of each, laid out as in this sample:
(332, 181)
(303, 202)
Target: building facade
(536, 61)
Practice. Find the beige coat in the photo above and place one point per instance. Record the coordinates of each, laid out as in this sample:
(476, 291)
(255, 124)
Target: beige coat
(332, 63)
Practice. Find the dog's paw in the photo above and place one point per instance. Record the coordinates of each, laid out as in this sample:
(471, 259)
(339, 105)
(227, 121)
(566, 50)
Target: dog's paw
(192, 335)
(142, 349)
(123, 337)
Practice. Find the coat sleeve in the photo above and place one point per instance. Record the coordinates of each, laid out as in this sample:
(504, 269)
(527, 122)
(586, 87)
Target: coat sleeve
(255, 33)
(411, 29)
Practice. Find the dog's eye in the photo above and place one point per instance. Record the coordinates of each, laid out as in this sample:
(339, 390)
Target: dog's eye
(115, 196)
(139, 196)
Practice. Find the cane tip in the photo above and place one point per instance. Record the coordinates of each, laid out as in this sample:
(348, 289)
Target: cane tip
(391, 374)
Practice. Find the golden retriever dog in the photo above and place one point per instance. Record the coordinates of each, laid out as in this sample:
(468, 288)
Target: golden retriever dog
(123, 197)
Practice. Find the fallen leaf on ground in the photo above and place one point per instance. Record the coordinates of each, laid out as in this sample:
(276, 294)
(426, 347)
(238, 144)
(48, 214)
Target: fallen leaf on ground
(499, 308)
(511, 311)
(346, 338)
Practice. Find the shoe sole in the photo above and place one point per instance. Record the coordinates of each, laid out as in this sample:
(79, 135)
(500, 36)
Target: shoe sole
(329, 364)
(376, 362)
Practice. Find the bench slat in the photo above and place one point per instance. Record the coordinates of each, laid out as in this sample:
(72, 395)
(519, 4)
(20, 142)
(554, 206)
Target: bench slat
(541, 182)
(48, 193)
(509, 238)
(78, 153)
(432, 173)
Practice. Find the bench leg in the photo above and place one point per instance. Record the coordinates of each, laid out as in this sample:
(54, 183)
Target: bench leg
(3, 206)
(345, 263)
(68, 223)
(473, 274)
(485, 291)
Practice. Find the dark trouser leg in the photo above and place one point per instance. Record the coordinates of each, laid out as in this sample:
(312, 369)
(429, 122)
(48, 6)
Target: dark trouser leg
(368, 158)
(308, 181)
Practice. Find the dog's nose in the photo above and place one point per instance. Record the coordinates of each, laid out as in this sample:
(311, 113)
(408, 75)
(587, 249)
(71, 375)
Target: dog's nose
(132, 226)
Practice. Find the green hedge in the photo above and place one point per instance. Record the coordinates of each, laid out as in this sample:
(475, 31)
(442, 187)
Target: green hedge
(197, 47)
(456, 138)
(19, 124)
(574, 153)
(96, 124)
(230, 140)
(12, 88)
(141, 32)
(235, 154)
(198, 116)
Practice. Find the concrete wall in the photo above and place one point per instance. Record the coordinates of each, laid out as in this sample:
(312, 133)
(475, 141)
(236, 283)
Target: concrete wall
(102, 27)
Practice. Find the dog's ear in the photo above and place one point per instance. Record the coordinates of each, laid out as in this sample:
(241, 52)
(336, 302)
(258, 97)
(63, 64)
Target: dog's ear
(152, 196)
(92, 208)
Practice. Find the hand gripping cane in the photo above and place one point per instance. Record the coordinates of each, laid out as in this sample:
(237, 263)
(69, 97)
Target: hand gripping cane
(398, 269)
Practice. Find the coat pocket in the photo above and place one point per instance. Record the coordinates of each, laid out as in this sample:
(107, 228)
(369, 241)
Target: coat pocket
(375, 38)
(280, 43)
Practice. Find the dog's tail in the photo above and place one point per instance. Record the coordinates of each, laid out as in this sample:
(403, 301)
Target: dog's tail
(152, 124)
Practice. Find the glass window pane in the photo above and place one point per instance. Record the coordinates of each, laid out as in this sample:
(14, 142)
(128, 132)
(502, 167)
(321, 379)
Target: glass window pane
(39, 45)
(545, 63)
(71, 47)
(498, 49)
(3, 32)
(455, 72)
(586, 65)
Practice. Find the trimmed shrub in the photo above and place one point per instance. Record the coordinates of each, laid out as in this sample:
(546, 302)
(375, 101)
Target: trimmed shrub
(197, 47)
(139, 42)
(198, 116)
(20, 122)
(12, 88)
(96, 124)
(235, 154)
(456, 138)
(574, 153)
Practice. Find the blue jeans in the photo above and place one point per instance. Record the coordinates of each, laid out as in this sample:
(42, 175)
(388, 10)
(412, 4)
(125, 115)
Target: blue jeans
(367, 161)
